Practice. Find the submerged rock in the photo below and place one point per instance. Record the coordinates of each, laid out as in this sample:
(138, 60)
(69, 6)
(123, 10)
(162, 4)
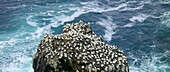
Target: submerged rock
(78, 49)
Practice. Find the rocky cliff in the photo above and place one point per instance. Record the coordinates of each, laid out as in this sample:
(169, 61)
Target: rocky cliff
(78, 49)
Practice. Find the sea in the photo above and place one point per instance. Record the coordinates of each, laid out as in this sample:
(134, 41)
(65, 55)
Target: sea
(140, 28)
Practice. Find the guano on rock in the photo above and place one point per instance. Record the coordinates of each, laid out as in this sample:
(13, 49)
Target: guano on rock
(78, 49)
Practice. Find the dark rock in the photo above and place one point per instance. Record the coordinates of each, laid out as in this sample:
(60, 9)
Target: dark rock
(78, 49)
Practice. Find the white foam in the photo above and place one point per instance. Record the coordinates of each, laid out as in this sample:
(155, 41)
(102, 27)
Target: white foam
(88, 7)
(59, 19)
(31, 23)
(147, 64)
(131, 9)
(140, 5)
(40, 31)
(139, 18)
(165, 20)
(129, 25)
(94, 7)
(10, 42)
(18, 6)
(84, 3)
(1, 45)
(110, 27)
(164, 1)
(21, 64)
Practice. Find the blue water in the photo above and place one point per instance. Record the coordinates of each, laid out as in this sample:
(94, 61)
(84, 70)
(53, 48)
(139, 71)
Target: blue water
(140, 28)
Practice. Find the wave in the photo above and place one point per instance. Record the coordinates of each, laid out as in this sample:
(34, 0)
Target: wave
(13, 55)
(165, 19)
(65, 13)
(62, 18)
(139, 18)
(17, 7)
(20, 64)
(109, 28)
(86, 8)
(164, 2)
(10, 42)
(129, 25)
(152, 62)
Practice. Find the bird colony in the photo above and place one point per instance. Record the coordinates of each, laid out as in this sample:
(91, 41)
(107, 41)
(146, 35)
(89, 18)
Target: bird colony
(78, 49)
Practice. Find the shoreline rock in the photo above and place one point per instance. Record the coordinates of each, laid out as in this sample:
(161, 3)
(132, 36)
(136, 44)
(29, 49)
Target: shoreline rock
(78, 49)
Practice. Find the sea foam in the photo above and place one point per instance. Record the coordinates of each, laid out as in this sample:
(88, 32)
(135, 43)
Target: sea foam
(110, 27)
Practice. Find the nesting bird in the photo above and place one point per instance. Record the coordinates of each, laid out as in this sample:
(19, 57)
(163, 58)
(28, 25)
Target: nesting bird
(78, 49)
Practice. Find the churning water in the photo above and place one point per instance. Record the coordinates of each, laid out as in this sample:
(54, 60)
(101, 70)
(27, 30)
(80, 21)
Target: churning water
(141, 28)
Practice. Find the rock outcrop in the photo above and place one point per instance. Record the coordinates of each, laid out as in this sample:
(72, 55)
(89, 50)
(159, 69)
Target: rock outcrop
(78, 49)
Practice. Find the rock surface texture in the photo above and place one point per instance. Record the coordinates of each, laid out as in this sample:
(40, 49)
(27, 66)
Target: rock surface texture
(78, 49)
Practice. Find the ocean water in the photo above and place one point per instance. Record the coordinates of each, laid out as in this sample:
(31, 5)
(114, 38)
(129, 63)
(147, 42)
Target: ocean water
(141, 28)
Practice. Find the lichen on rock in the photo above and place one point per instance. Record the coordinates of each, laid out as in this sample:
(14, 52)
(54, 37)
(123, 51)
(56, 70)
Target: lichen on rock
(78, 49)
